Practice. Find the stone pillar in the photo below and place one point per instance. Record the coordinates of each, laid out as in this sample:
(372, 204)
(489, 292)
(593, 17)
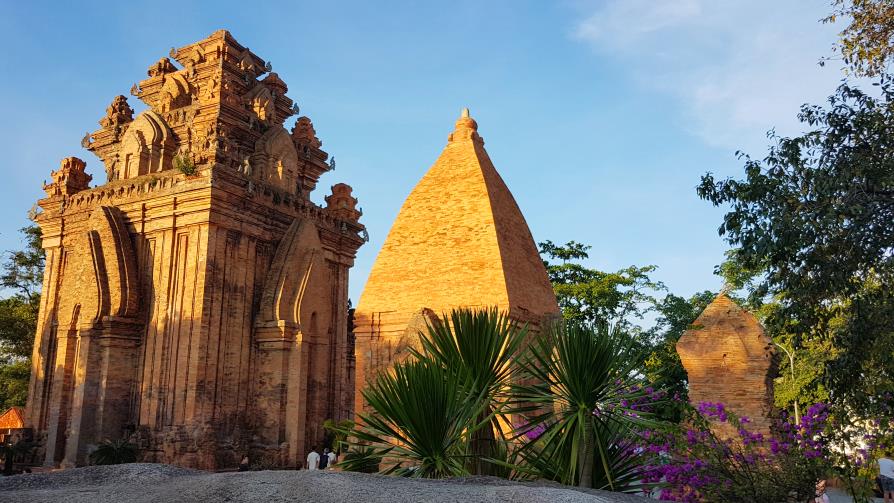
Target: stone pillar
(281, 390)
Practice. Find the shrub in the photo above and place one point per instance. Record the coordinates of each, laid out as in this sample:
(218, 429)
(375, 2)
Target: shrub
(184, 163)
(582, 401)
(696, 465)
(114, 452)
(362, 459)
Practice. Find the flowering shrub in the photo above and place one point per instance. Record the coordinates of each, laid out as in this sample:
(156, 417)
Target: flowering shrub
(693, 464)
(854, 446)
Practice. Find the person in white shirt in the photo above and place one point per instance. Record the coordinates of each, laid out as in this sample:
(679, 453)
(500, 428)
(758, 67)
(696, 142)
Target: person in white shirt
(886, 476)
(331, 456)
(313, 459)
(821, 496)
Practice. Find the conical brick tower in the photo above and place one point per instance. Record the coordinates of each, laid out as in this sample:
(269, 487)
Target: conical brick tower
(459, 240)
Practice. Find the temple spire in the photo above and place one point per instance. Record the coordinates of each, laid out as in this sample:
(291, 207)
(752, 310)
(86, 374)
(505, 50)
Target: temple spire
(465, 129)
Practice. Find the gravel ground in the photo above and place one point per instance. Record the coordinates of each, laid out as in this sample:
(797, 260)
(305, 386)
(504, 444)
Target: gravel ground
(140, 482)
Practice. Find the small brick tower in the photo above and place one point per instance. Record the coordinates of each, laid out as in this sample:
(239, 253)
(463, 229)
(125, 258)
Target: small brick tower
(729, 359)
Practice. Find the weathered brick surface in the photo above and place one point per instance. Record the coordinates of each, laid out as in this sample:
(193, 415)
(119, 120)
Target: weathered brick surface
(198, 300)
(729, 359)
(459, 240)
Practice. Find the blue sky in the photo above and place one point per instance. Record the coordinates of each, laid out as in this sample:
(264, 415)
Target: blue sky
(601, 116)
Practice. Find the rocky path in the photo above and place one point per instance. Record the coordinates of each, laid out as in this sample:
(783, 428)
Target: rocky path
(136, 483)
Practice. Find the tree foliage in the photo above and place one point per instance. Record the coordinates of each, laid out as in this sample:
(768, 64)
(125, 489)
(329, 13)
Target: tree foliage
(592, 296)
(816, 216)
(23, 269)
(22, 274)
(867, 43)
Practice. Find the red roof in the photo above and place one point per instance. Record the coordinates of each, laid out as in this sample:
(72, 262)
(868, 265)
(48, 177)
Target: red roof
(13, 418)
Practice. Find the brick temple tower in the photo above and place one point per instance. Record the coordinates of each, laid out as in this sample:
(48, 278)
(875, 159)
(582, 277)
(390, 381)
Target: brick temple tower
(729, 359)
(460, 240)
(197, 301)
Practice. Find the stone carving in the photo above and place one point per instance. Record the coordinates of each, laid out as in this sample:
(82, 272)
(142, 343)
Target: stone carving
(69, 179)
(276, 159)
(198, 307)
(248, 63)
(175, 93)
(303, 132)
(261, 103)
(729, 359)
(118, 113)
(272, 81)
(161, 67)
(342, 204)
(491, 259)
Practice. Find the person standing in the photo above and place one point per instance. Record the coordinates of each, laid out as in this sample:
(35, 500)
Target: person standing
(332, 457)
(324, 459)
(820, 495)
(886, 476)
(313, 459)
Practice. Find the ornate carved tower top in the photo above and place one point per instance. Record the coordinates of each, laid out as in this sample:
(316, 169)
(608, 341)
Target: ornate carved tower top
(221, 107)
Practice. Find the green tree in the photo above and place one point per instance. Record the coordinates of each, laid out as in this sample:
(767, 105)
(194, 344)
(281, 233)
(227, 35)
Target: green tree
(593, 296)
(816, 215)
(22, 274)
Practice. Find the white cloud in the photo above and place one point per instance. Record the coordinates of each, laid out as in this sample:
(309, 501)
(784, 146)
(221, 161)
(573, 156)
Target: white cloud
(737, 68)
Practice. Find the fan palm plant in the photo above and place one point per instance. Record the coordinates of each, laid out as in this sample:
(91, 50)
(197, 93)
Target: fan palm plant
(114, 452)
(419, 414)
(577, 389)
(479, 348)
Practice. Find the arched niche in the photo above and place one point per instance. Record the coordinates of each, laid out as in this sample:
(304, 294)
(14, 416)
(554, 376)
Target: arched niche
(147, 147)
(275, 154)
(174, 93)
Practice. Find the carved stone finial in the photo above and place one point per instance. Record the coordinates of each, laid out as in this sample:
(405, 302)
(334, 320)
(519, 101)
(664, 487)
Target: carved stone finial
(466, 128)
(342, 204)
(69, 179)
(119, 112)
(161, 67)
(248, 64)
(304, 133)
(275, 83)
(85, 141)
